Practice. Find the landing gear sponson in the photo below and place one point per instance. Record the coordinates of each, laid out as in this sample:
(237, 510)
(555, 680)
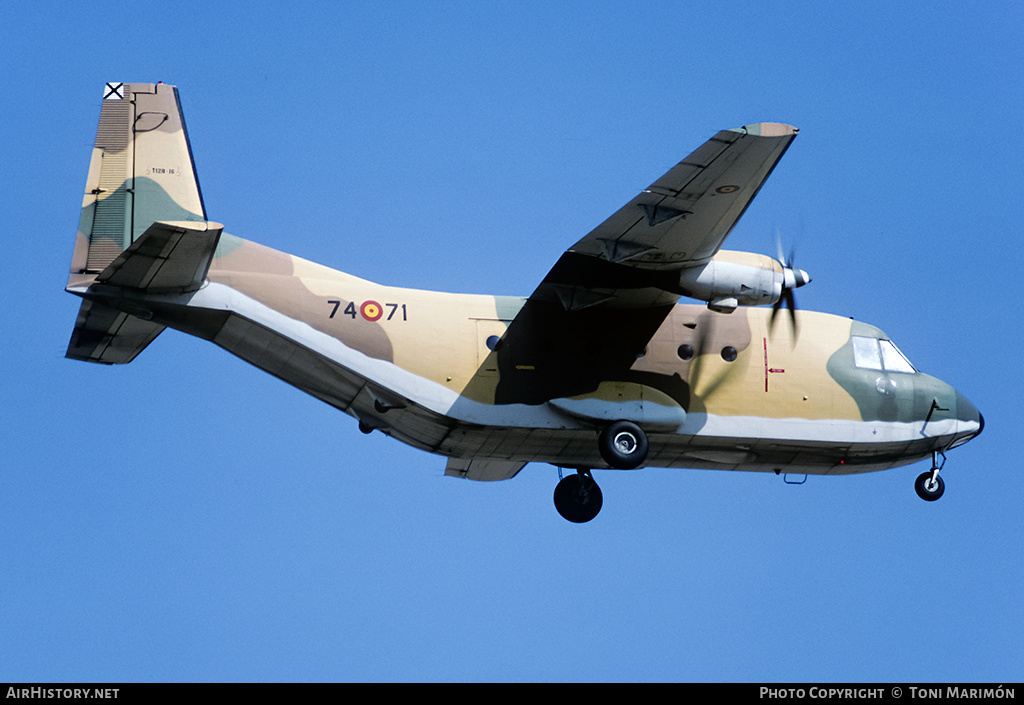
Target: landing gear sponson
(624, 446)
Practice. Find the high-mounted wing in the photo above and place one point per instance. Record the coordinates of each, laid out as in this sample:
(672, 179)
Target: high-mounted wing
(679, 221)
(683, 218)
(606, 296)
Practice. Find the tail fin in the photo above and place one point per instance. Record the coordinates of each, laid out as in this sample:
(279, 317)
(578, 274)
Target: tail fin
(136, 230)
(141, 172)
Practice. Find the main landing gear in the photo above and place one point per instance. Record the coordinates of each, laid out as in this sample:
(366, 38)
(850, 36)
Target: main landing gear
(623, 445)
(577, 497)
(929, 485)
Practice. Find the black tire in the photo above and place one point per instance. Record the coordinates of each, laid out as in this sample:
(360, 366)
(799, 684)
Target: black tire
(926, 490)
(578, 498)
(623, 445)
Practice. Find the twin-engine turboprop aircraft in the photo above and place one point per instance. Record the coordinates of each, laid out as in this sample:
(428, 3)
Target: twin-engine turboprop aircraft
(599, 368)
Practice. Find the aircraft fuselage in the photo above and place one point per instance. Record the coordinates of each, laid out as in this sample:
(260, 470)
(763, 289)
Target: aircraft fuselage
(713, 390)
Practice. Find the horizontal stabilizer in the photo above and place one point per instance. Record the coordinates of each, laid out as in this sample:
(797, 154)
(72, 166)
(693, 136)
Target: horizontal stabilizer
(170, 257)
(484, 469)
(105, 335)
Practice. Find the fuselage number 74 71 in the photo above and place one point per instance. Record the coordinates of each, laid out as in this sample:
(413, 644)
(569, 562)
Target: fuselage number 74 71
(370, 310)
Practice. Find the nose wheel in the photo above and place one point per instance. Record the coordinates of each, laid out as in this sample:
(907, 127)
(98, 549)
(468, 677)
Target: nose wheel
(577, 497)
(929, 485)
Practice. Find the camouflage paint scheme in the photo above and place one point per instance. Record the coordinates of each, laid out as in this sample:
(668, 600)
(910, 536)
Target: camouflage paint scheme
(495, 382)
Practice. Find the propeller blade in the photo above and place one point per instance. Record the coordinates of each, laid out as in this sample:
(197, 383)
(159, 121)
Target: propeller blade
(793, 279)
(788, 299)
(775, 312)
(703, 378)
(791, 303)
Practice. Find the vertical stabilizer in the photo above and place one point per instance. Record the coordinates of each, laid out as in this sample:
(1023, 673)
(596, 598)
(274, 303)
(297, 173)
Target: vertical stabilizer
(141, 172)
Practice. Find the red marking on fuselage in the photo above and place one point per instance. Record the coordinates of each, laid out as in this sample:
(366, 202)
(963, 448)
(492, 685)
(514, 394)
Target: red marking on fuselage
(767, 370)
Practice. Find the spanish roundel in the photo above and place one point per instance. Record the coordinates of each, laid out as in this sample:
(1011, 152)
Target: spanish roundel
(371, 310)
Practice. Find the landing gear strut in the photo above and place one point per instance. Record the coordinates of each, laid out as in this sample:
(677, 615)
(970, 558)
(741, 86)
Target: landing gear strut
(577, 497)
(929, 485)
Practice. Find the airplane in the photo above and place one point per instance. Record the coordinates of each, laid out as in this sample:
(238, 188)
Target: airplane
(601, 367)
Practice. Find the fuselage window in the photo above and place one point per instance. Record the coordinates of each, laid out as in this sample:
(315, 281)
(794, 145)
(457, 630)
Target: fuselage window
(685, 351)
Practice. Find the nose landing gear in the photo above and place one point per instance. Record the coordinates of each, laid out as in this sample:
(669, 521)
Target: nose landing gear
(929, 485)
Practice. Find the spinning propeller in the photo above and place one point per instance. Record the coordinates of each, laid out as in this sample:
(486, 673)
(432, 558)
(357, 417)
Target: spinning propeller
(712, 337)
(792, 278)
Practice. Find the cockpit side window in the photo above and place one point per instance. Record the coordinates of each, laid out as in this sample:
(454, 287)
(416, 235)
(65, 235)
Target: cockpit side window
(893, 359)
(873, 354)
(865, 353)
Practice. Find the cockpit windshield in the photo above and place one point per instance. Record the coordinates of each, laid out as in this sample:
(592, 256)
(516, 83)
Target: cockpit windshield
(875, 354)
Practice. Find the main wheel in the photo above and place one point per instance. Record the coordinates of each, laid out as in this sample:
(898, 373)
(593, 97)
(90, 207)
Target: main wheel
(578, 498)
(623, 445)
(926, 489)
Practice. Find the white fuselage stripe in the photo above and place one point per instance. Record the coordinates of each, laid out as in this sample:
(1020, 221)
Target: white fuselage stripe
(447, 402)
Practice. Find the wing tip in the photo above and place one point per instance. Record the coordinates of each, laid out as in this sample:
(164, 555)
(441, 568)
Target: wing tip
(768, 129)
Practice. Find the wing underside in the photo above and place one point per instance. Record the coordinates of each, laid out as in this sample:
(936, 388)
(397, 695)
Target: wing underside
(683, 218)
(604, 299)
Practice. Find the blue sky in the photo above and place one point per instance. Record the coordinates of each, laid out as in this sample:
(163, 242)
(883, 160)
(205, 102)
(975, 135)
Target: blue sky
(189, 518)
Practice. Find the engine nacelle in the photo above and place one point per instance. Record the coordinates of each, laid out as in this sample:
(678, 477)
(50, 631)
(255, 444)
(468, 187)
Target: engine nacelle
(732, 279)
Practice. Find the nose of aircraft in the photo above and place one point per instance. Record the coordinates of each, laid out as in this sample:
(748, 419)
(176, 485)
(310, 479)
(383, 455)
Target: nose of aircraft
(970, 422)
